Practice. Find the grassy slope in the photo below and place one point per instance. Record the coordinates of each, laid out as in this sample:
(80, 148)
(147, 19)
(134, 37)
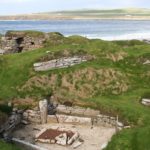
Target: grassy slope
(17, 69)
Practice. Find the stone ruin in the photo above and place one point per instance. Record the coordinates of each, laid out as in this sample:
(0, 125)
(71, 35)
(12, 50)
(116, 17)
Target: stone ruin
(53, 113)
(19, 41)
(70, 115)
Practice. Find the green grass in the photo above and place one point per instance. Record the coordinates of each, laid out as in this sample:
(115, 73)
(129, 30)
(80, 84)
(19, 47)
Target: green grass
(17, 69)
(6, 146)
(25, 33)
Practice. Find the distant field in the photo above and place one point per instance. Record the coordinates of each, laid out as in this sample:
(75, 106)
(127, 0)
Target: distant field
(140, 14)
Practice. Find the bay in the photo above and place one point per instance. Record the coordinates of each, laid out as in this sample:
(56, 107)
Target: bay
(102, 29)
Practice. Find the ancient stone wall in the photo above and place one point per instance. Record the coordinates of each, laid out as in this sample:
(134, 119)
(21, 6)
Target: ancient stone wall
(32, 116)
(59, 63)
(21, 43)
(74, 115)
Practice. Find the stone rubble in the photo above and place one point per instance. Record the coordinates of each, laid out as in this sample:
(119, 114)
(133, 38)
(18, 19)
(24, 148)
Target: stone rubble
(61, 139)
(76, 144)
(12, 122)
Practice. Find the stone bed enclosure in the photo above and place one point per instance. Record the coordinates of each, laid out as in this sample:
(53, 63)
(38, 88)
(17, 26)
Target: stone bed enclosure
(71, 115)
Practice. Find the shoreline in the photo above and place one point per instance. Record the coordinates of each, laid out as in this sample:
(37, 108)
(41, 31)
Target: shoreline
(80, 18)
(48, 17)
(124, 37)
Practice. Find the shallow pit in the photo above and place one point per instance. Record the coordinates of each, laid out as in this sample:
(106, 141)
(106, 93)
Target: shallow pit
(94, 137)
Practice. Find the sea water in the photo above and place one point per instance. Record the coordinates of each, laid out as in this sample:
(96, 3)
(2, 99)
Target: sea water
(102, 29)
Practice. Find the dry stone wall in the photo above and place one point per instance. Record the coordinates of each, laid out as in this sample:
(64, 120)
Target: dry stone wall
(95, 116)
(20, 43)
(74, 115)
(32, 116)
(77, 111)
(59, 63)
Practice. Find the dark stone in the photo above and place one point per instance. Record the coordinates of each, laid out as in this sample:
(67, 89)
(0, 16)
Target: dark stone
(51, 109)
(67, 103)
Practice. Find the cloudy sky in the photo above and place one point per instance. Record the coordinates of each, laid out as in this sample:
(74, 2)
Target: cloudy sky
(31, 6)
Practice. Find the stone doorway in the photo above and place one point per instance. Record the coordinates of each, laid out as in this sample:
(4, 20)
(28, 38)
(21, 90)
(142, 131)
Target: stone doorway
(19, 41)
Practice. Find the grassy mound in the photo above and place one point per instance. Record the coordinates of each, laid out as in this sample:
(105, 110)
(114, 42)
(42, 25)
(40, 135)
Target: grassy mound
(114, 82)
(29, 33)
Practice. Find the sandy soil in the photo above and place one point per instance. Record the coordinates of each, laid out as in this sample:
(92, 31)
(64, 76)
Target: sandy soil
(94, 137)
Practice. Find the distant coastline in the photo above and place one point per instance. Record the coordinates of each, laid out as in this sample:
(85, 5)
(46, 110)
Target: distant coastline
(115, 14)
(43, 17)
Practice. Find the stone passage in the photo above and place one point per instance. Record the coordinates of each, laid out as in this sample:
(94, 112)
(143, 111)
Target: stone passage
(59, 63)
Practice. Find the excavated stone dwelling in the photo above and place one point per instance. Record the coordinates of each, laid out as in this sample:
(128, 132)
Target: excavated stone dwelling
(19, 41)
